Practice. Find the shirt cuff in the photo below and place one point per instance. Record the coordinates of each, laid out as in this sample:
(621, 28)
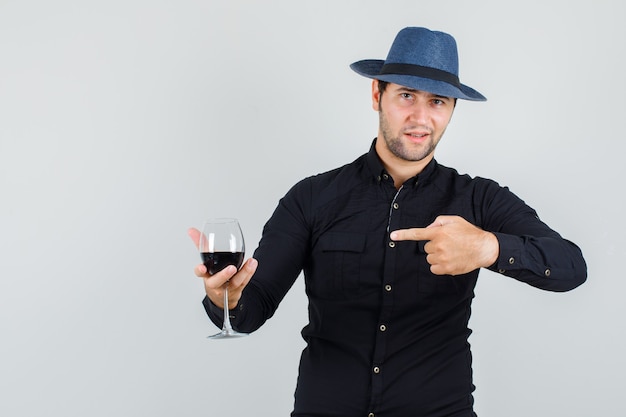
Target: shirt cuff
(216, 314)
(512, 261)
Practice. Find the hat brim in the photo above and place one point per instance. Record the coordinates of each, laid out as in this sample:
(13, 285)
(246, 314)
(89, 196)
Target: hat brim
(371, 68)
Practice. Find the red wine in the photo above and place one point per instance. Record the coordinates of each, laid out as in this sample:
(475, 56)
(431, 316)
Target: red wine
(216, 261)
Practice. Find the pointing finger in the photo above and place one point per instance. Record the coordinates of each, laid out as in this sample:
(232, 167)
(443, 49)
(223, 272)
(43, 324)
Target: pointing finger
(418, 233)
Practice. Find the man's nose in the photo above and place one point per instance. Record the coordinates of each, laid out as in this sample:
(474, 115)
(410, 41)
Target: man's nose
(419, 113)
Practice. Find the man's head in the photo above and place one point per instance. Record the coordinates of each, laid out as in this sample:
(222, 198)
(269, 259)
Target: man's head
(415, 91)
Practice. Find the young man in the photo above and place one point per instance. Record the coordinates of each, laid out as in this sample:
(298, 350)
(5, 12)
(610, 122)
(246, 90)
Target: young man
(391, 246)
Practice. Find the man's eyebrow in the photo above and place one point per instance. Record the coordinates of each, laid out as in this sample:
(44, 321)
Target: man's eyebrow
(407, 89)
(413, 90)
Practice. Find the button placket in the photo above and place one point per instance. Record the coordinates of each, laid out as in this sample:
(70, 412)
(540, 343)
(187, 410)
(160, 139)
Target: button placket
(388, 277)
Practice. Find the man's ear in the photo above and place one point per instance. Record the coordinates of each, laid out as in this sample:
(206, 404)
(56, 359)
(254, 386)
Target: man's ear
(375, 96)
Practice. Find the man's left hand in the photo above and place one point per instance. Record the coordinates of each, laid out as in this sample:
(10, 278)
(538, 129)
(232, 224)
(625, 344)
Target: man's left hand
(455, 246)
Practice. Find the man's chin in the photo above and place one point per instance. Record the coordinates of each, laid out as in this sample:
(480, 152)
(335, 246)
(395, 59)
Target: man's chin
(412, 155)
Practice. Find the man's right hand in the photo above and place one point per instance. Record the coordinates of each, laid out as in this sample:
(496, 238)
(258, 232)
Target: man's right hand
(214, 284)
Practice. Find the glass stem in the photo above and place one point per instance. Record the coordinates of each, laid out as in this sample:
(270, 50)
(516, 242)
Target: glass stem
(227, 325)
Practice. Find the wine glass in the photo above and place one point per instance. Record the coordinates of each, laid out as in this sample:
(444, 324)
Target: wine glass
(221, 244)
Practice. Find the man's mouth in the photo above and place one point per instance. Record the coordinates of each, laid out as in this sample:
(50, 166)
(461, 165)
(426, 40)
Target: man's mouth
(417, 136)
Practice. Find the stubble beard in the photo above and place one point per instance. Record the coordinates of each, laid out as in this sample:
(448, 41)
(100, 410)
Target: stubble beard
(397, 147)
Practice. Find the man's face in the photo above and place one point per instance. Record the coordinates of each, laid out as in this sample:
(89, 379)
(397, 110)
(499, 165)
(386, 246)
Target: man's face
(411, 121)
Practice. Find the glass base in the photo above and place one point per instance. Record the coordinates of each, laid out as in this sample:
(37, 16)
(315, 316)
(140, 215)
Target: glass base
(227, 334)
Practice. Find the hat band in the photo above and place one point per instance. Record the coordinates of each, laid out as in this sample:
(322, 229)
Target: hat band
(420, 71)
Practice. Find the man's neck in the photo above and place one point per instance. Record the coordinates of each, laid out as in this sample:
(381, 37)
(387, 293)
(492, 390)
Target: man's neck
(400, 169)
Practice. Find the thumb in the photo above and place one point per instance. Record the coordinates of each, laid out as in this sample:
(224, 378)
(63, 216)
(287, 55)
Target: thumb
(443, 220)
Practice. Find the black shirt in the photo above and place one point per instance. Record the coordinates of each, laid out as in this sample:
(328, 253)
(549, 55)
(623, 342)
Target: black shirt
(386, 337)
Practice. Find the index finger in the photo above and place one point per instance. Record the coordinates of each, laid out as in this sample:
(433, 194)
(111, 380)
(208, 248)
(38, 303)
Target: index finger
(195, 235)
(416, 233)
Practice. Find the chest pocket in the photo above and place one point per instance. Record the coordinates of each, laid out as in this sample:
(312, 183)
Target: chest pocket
(336, 265)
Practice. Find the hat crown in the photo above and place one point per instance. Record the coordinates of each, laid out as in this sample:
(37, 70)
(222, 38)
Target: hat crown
(421, 46)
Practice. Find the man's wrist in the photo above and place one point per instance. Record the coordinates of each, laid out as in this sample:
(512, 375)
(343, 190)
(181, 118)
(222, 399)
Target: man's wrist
(491, 250)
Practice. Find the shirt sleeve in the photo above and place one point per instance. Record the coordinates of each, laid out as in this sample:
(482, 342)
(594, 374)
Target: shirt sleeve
(530, 251)
(281, 254)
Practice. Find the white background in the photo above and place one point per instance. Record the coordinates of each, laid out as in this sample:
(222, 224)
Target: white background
(123, 123)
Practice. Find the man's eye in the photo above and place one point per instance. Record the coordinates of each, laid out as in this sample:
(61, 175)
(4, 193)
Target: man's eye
(406, 96)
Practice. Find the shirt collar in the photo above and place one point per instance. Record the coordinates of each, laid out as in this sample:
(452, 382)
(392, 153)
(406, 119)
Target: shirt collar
(378, 171)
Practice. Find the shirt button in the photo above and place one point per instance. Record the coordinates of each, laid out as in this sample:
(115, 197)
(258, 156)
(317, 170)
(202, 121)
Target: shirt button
(385, 176)
(511, 260)
(396, 205)
(392, 244)
(370, 415)
(502, 271)
(382, 327)
(388, 288)
(547, 273)
(376, 370)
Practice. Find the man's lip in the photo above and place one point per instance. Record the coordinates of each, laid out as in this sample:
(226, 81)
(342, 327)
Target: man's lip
(417, 136)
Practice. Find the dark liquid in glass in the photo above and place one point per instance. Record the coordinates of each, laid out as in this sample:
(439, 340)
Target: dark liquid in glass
(216, 261)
